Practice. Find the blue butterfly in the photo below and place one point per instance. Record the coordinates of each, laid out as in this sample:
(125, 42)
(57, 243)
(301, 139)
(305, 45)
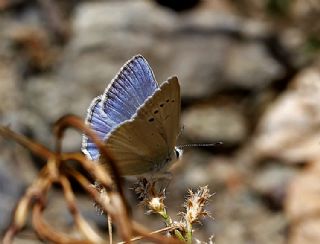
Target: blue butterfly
(138, 120)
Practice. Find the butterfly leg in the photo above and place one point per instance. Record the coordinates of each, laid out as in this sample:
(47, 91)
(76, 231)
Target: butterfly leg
(163, 180)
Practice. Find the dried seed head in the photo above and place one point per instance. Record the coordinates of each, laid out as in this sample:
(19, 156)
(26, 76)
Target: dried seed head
(195, 204)
(149, 196)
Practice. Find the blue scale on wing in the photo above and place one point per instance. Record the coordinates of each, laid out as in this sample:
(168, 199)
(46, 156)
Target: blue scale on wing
(144, 76)
(126, 93)
(100, 123)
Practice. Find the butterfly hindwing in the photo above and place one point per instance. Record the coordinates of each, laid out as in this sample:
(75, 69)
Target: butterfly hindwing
(146, 142)
(100, 123)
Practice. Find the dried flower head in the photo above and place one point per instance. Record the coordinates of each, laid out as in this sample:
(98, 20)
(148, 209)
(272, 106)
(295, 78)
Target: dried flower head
(195, 204)
(150, 196)
(156, 204)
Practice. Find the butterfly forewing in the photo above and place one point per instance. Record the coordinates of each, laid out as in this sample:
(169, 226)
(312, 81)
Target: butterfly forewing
(145, 143)
(132, 86)
(163, 112)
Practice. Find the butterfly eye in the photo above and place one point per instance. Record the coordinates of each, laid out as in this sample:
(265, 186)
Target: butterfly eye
(178, 152)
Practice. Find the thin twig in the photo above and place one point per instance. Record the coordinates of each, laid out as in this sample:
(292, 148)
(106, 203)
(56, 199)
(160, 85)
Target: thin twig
(137, 238)
(110, 229)
(47, 233)
(36, 148)
(155, 237)
(73, 121)
(81, 223)
(56, 170)
(114, 207)
(21, 210)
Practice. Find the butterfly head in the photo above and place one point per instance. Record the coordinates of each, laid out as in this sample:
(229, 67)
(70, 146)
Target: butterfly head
(178, 153)
(163, 165)
(175, 156)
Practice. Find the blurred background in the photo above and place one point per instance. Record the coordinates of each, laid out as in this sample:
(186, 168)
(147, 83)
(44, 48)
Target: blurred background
(250, 77)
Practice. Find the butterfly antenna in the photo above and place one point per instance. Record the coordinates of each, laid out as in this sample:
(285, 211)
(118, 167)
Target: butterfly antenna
(201, 145)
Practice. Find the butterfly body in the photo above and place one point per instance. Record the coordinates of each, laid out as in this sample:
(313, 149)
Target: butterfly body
(137, 119)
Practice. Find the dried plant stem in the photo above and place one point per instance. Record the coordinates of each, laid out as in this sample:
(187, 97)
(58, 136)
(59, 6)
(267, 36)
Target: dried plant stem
(46, 232)
(21, 211)
(169, 223)
(178, 234)
(137, 238)
(83, 225)
(110, 229)
(153, 236)
(75, 122)
(166, 217)
(153, 199)
(35, 148)
(57, 170)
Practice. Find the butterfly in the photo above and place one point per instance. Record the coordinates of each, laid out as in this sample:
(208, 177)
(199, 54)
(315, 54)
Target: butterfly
(138, 120)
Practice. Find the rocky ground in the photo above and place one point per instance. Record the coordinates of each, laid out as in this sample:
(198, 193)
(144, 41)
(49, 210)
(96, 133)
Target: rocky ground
(250, 77)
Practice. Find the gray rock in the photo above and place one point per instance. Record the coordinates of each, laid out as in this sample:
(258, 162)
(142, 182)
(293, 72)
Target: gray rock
(202, 75)
(9, 90)
(289, 129)
(212, 124)
(249, 65)
(240, 218)
(200, 168)
(305, 15)
(16, 172)
(107, 34)
(303, 204)
(272, 182)
(49, 99)
(296, 44)
(272, 178)
(195, 46)
(194, 168)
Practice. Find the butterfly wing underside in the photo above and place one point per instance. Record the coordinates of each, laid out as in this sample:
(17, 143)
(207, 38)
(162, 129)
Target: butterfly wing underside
(145, 143)
(130, 88)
